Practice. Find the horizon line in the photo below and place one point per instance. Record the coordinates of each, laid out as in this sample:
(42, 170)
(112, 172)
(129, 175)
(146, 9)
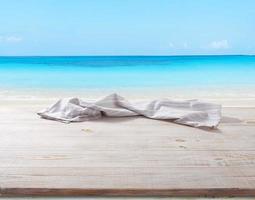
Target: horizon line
(127, 55)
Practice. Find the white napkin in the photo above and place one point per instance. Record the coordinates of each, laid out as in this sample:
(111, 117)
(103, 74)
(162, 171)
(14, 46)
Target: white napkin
(191, 112)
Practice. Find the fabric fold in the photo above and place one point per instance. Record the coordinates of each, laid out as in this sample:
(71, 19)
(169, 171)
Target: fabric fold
(191, 112)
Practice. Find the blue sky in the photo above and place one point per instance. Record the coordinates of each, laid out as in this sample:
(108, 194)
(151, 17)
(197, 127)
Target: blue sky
(128, 27)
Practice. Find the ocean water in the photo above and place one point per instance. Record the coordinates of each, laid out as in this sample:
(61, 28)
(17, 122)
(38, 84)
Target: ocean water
(127, 73)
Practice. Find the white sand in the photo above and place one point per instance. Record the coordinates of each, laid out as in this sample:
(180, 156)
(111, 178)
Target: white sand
(237, 97)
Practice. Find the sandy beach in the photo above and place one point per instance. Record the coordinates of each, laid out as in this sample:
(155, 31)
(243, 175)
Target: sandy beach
(125, 152)
(127, 99)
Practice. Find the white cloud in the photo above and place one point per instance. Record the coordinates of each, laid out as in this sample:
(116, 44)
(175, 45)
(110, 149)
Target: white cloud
(14, 39)
(221, 44)
(185, 45)
(171, 45)
(10, 39)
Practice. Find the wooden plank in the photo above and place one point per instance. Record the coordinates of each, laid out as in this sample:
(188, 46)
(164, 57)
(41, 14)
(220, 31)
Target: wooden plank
(183, 158)
(213, 192)
(128, 177)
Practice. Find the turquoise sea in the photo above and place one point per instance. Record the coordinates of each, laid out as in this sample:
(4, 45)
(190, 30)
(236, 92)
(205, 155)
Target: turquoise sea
(126, 72)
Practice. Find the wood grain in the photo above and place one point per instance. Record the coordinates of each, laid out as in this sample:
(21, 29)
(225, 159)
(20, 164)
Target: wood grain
(127, 156)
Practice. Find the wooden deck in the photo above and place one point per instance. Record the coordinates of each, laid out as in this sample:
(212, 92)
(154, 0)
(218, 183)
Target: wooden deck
(128, 156)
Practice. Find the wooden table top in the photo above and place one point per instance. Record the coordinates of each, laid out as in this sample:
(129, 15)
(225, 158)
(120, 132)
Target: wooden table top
(126, 156)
